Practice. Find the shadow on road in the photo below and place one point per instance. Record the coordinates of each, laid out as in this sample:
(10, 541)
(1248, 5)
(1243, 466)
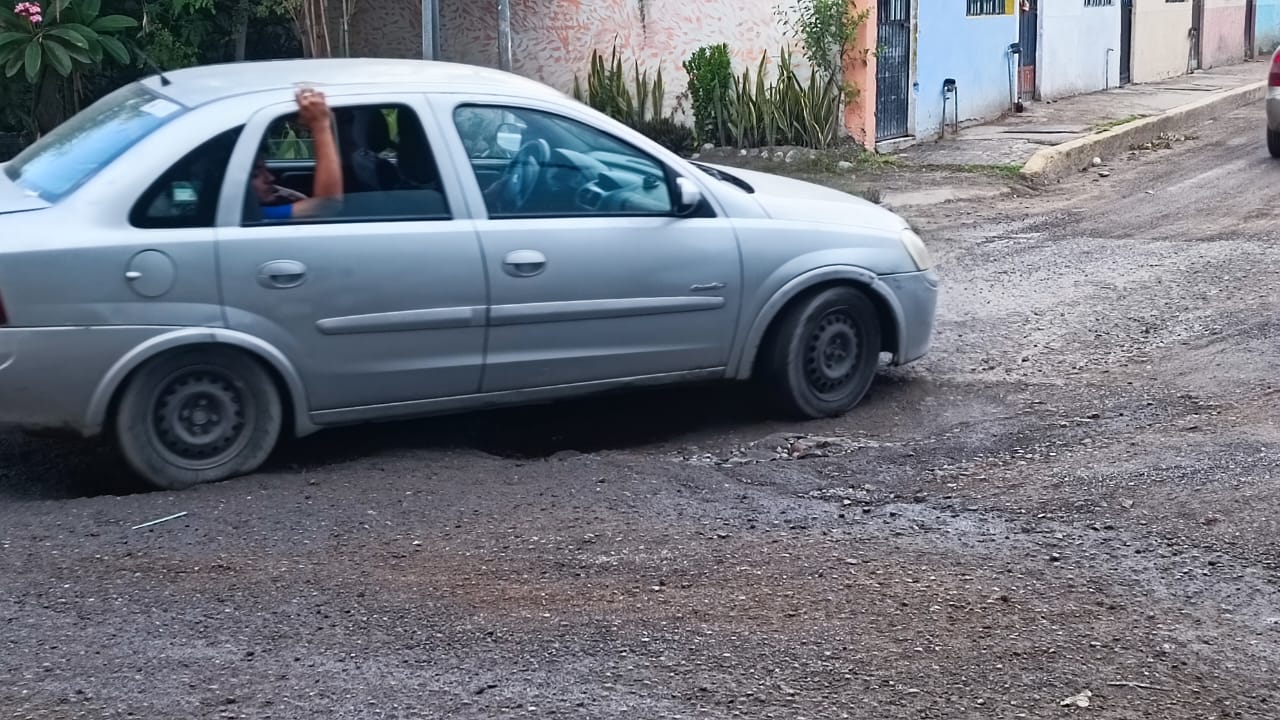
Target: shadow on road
(50, 469)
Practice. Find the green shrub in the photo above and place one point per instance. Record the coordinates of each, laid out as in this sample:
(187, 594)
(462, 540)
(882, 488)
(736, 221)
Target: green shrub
(710, 82)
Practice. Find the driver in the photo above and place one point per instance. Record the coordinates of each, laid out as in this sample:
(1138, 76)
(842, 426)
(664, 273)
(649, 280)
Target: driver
(313, 112)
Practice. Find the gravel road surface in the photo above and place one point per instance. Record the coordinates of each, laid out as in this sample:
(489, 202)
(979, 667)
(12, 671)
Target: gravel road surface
(1075, 491)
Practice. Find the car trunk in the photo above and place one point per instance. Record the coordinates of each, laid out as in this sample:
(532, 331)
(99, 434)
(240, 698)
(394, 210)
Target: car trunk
(15, 199)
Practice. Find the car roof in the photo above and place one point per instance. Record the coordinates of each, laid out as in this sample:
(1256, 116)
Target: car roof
(207, 83)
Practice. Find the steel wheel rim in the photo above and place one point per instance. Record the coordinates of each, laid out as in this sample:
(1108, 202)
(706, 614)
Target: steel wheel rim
(831, 354)
(198, 418)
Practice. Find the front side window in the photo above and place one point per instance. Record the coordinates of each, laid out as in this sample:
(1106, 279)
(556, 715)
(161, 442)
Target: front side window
(388, 169)
(69, 156)
(531, 163)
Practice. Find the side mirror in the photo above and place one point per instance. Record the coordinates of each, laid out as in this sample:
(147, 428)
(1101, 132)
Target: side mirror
(509, 137)
(690, 197)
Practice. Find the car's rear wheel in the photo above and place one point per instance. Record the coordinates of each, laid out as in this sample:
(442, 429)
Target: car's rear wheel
(1273, 142)
(197, 416)
(824, 353)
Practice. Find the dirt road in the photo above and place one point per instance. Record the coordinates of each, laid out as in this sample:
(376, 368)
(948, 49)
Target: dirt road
(1074, 492)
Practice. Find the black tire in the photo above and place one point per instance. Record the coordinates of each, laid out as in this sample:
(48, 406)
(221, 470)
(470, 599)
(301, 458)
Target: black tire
(198, 416)
(824, 354)
(1273, 143)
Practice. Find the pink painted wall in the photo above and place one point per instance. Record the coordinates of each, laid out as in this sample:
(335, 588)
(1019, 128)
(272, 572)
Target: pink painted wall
(860, 113)
(553, 39)
(1223, 39)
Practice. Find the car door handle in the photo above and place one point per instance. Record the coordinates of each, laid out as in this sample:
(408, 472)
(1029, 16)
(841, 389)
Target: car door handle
(524, 263)
(282, 274)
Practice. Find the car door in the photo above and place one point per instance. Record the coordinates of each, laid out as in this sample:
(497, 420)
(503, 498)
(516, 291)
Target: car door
(594, 278)
(380, 304)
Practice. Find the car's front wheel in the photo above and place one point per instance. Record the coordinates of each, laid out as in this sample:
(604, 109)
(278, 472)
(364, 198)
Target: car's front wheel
(824, 353)
(197, 416)
(1273, 142)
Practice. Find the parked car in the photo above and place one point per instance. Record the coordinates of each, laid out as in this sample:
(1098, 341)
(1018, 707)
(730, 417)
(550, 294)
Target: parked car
(497, 243)
(1273, 106)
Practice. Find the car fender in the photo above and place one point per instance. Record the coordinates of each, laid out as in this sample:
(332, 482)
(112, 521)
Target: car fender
(765, 316)
(99, 404)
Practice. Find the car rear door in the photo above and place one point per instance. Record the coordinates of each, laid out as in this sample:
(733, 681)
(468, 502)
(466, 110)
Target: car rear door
(583, 295)
(379, 308)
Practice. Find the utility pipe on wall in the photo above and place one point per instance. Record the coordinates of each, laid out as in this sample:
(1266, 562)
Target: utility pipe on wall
(504, 35)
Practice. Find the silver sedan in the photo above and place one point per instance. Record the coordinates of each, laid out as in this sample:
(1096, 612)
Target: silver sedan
(199, 263)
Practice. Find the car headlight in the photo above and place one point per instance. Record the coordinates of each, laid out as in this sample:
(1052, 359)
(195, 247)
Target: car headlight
(916, 249)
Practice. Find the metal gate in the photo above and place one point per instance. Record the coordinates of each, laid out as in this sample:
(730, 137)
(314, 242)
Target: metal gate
(1028, 34)
(1126, 41)
(893, 69)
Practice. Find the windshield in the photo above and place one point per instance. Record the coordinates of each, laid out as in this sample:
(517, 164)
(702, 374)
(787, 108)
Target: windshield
(78, 149)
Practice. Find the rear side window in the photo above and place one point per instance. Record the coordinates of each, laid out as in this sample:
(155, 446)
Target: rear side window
(60, 162)
(186, 195)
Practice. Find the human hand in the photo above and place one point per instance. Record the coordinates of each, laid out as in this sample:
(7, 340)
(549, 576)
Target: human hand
(312, 109)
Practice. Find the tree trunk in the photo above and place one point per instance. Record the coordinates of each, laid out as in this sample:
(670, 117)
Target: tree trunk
(241, 29)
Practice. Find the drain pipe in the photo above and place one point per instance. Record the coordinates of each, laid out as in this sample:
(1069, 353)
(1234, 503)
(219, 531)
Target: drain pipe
(1106, 78)
(949, 91)
(1015, 86)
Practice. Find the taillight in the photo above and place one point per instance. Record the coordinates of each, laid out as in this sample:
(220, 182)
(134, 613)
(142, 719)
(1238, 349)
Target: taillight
(1274, 79)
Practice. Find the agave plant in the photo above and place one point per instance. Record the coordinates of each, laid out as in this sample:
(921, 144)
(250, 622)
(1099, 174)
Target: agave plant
(69, 36)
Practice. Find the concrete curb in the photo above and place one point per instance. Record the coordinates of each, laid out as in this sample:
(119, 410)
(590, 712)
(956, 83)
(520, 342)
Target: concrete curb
(1054, 163)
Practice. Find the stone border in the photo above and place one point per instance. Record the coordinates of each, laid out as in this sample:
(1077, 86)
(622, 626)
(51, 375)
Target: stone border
(1053, 163)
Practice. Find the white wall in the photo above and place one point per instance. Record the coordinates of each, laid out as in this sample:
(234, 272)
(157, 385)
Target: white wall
(1161, 39)
(1079, 48)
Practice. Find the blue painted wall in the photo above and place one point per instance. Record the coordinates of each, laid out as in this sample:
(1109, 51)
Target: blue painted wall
(1267, 33)
(973, 50)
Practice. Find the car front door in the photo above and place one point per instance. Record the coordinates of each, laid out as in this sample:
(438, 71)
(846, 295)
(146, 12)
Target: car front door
(592, 275)
(378, 304)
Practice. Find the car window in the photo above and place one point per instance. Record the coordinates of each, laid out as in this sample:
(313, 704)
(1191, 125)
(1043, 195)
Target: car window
(531, 163)
(388, 169)
(72, 153)
(186, 195)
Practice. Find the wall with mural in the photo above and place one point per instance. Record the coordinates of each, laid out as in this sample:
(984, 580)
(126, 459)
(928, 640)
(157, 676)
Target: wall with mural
(1079, 48)
(1223, 38)
(387, 28)
(1267, 33)
(973, 50)
(1161, 39)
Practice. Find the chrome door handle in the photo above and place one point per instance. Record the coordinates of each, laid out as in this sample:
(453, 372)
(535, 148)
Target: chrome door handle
(282, 274)
(524, 263)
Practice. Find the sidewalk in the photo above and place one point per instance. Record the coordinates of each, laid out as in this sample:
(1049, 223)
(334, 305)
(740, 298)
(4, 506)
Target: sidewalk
(1014, 139)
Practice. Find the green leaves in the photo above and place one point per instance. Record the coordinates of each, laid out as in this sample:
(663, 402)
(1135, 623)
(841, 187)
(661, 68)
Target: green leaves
(113, 23)
(72, 38)
(33, 58)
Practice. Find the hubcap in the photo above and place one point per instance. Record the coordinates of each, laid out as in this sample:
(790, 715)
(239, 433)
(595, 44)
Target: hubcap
(198, 418)
(831, 355)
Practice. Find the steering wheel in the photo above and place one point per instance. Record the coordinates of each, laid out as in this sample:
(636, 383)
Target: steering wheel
(524, 172)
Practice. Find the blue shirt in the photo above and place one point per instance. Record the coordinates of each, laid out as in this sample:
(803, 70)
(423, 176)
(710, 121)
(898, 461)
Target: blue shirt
(277, 212)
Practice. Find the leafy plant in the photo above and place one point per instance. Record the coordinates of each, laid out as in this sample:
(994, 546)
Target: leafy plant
(828, 30)
(73, 38)
(637, 101)
(633, 102)
(710, 72)
(786, 111)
